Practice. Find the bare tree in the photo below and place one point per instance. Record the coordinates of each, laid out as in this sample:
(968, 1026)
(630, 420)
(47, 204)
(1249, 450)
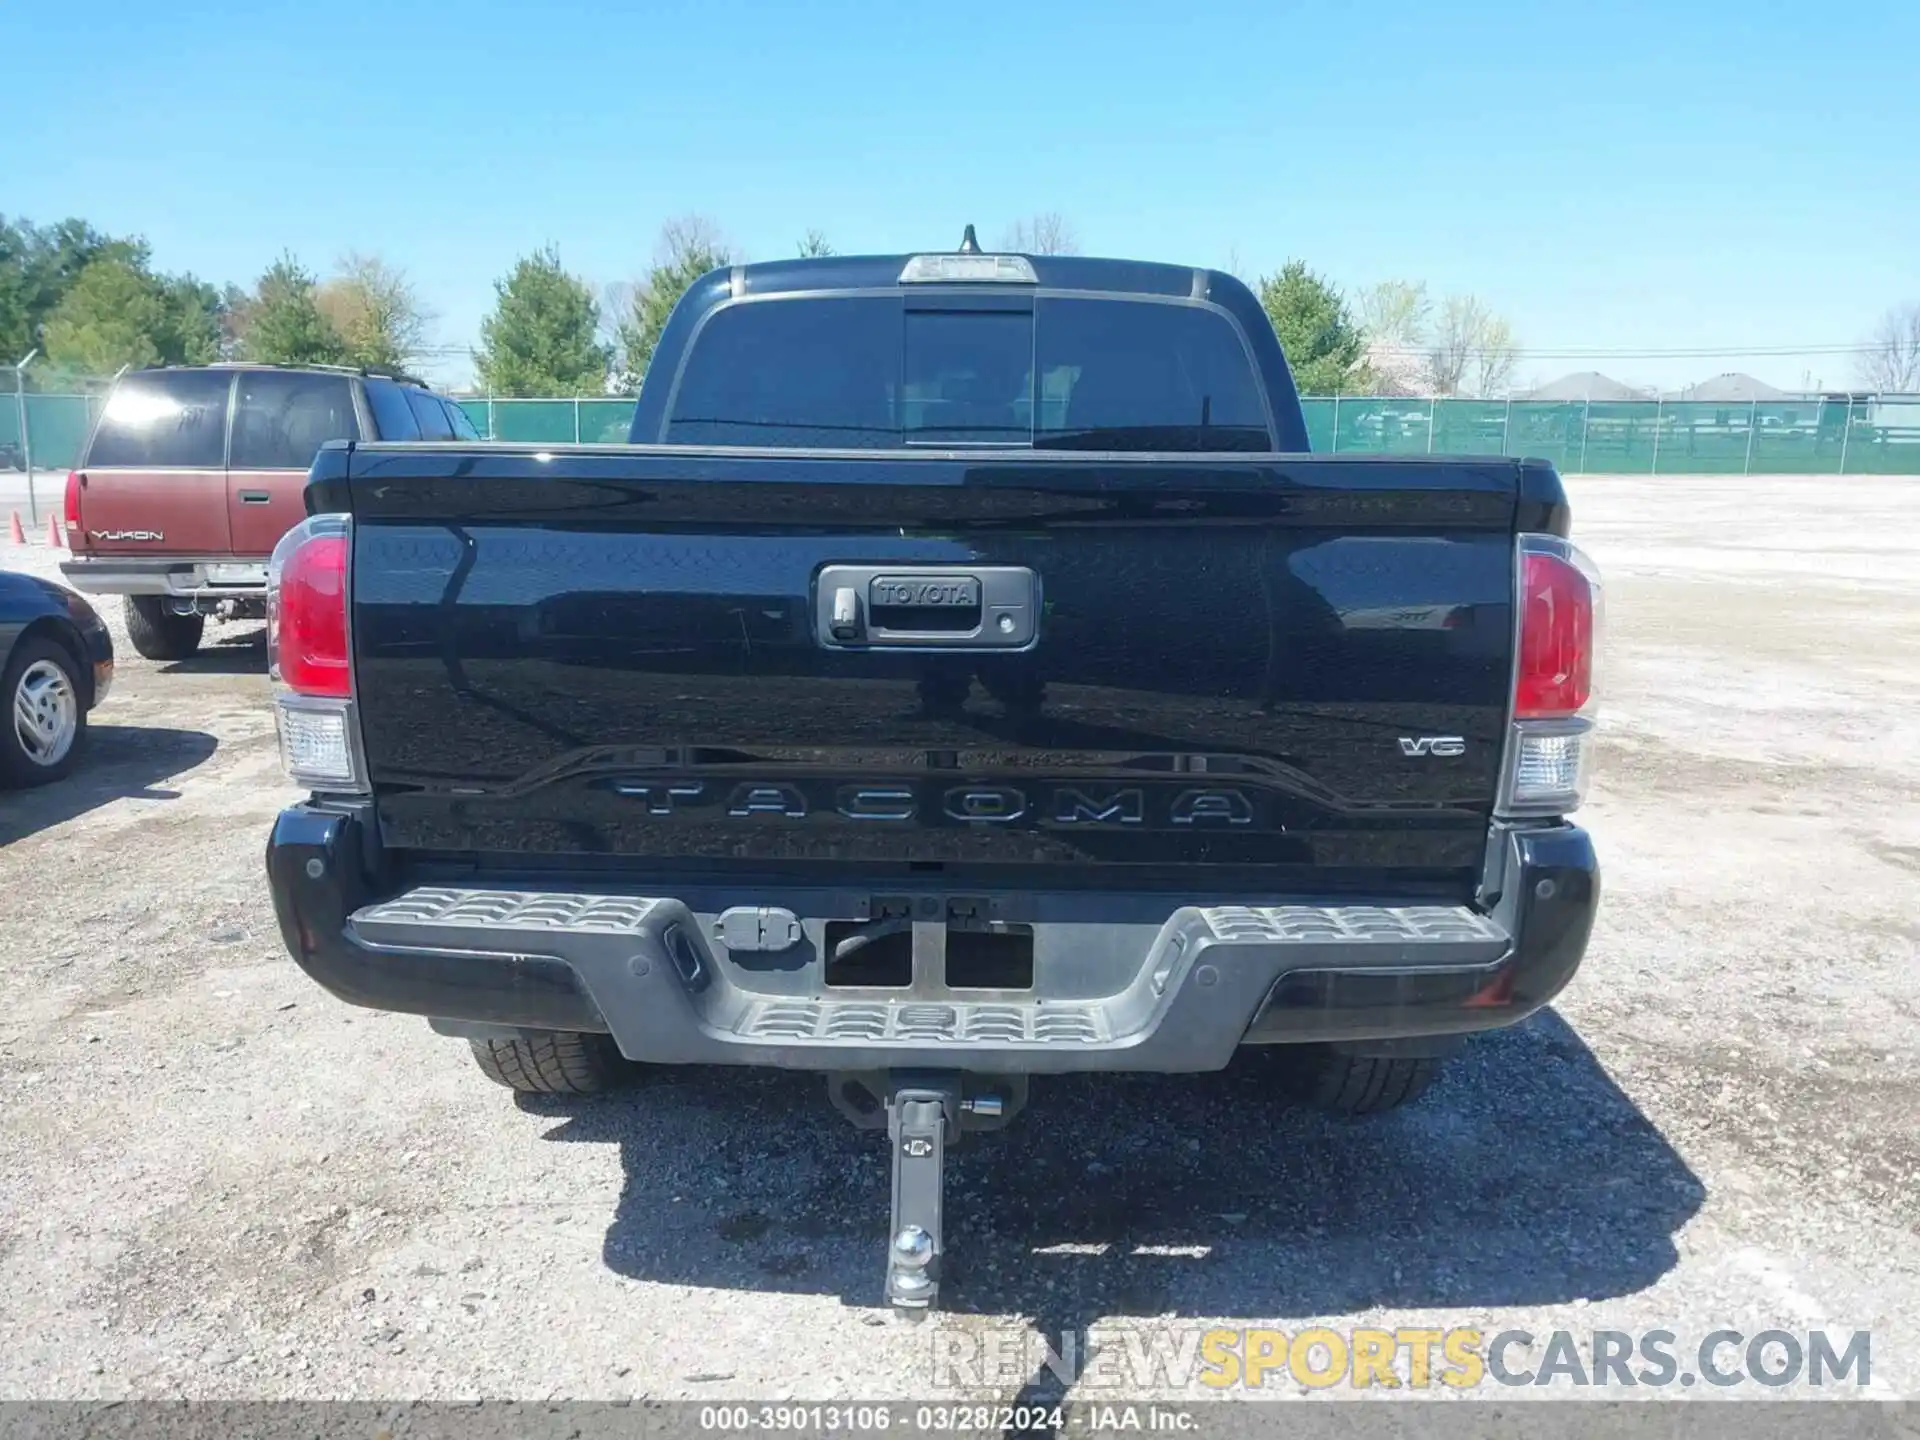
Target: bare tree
(1394, 315)
(1471, 350)
(1890, 361)
(376, 311)
(616, 303)
(814, 244)
(1495, 357)
(1048, 233)
(689, 246)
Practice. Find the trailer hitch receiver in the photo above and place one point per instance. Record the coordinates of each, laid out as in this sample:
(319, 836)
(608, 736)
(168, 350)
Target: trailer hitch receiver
(923, 1112)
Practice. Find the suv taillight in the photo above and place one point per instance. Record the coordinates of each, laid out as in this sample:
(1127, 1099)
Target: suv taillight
(71, 506)
(1558, 635)
(308, 655)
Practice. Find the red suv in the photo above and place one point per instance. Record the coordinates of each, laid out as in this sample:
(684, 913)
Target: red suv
(193, 473)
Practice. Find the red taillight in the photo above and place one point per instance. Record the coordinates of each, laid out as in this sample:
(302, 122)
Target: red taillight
(1555, 674)
(72, 505)
(310, 630)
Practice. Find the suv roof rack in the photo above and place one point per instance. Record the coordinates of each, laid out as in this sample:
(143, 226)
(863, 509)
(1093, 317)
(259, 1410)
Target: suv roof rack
(378, 372)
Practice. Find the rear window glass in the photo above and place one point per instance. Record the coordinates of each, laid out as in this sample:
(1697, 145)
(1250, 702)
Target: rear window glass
(1070, 373)
(165, 419)
(392, 416)
(1120, 376)
(432, 416)
(463, 426)
(793, 372)
(286, 416)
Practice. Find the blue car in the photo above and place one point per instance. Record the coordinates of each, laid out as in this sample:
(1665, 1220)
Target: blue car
(56, 664)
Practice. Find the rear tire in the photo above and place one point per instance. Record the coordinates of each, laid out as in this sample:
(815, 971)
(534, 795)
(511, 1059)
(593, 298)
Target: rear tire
(158, 633)
(1354, 1084)
(563, 1062)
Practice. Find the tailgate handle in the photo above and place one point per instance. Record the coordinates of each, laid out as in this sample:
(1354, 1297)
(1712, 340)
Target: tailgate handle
(926, 607)
(254, 497)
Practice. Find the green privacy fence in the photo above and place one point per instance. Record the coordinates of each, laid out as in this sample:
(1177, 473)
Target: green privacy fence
(553, 422)
(57, 425)
(1865, 435)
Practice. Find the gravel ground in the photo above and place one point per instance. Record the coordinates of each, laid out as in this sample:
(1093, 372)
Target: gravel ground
(215, 1181)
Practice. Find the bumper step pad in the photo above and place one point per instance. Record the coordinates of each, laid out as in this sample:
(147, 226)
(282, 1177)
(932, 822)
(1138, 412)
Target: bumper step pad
(1180, 990)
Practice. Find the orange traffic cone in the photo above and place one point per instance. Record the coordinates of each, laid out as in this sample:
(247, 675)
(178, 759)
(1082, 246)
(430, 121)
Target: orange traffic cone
(54, 539)
(14, 533)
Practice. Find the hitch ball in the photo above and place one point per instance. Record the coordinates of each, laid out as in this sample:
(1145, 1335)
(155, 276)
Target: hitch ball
(912, 1247)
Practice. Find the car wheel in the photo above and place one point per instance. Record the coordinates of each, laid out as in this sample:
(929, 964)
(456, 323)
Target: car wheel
(158, 633)
(46, 716)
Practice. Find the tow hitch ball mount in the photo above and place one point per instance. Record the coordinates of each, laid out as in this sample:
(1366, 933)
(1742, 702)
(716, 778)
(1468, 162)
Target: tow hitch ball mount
(923, 1112)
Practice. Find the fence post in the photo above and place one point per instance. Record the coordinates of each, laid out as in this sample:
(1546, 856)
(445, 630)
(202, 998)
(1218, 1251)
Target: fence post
(493, 431)
(1658, 404)
(1846, 430)
(1335, 448)
(26, 441)
(1753, 424)
(1586, 423)
(1506, 429)
(1433, 407)
(576, 419)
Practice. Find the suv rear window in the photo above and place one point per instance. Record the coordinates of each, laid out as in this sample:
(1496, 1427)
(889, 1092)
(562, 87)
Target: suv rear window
(285, 416)
(165, 419)
(431, 415)
(1070, 373)
(392, 415)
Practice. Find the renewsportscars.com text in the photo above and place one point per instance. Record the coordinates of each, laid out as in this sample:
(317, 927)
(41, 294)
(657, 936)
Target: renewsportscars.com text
(1138, 1359)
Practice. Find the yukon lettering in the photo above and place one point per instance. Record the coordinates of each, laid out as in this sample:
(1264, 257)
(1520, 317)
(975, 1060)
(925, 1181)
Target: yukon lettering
(141, 535)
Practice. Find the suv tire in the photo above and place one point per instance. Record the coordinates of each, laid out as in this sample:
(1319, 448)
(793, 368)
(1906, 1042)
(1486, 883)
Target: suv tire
(158, 633)
(565, 1062)
(1342, 1084)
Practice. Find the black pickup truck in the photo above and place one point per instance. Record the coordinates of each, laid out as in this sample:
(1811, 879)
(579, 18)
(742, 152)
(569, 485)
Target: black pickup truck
(964, 674)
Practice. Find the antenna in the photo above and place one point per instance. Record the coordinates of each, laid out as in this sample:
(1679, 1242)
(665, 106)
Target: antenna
(968, 244)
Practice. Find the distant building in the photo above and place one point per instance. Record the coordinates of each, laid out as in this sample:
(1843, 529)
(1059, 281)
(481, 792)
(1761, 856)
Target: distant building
(1585, 385)
(1732, 388)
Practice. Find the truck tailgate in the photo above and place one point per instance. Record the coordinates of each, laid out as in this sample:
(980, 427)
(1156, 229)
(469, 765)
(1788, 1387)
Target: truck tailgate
(624, 658)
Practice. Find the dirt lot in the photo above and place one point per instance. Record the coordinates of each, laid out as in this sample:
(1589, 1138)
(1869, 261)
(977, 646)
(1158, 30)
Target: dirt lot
(216, 1181)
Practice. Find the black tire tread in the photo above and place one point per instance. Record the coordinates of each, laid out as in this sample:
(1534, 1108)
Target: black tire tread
(1361, 1084)
(157, 633)
(559, 1063)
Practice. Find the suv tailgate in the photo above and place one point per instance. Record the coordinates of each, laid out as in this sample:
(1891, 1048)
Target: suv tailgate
(154, 480)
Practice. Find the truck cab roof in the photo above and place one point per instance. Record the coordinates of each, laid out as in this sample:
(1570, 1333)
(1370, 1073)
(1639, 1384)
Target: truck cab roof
(970, 280)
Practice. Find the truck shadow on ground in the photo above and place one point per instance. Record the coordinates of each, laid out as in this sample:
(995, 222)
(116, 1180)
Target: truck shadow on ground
(237, 652)
(1526, 1177)
(120, 762)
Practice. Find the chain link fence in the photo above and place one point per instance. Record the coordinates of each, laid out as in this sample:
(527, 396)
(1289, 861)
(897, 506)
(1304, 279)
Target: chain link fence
(1859, 435)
